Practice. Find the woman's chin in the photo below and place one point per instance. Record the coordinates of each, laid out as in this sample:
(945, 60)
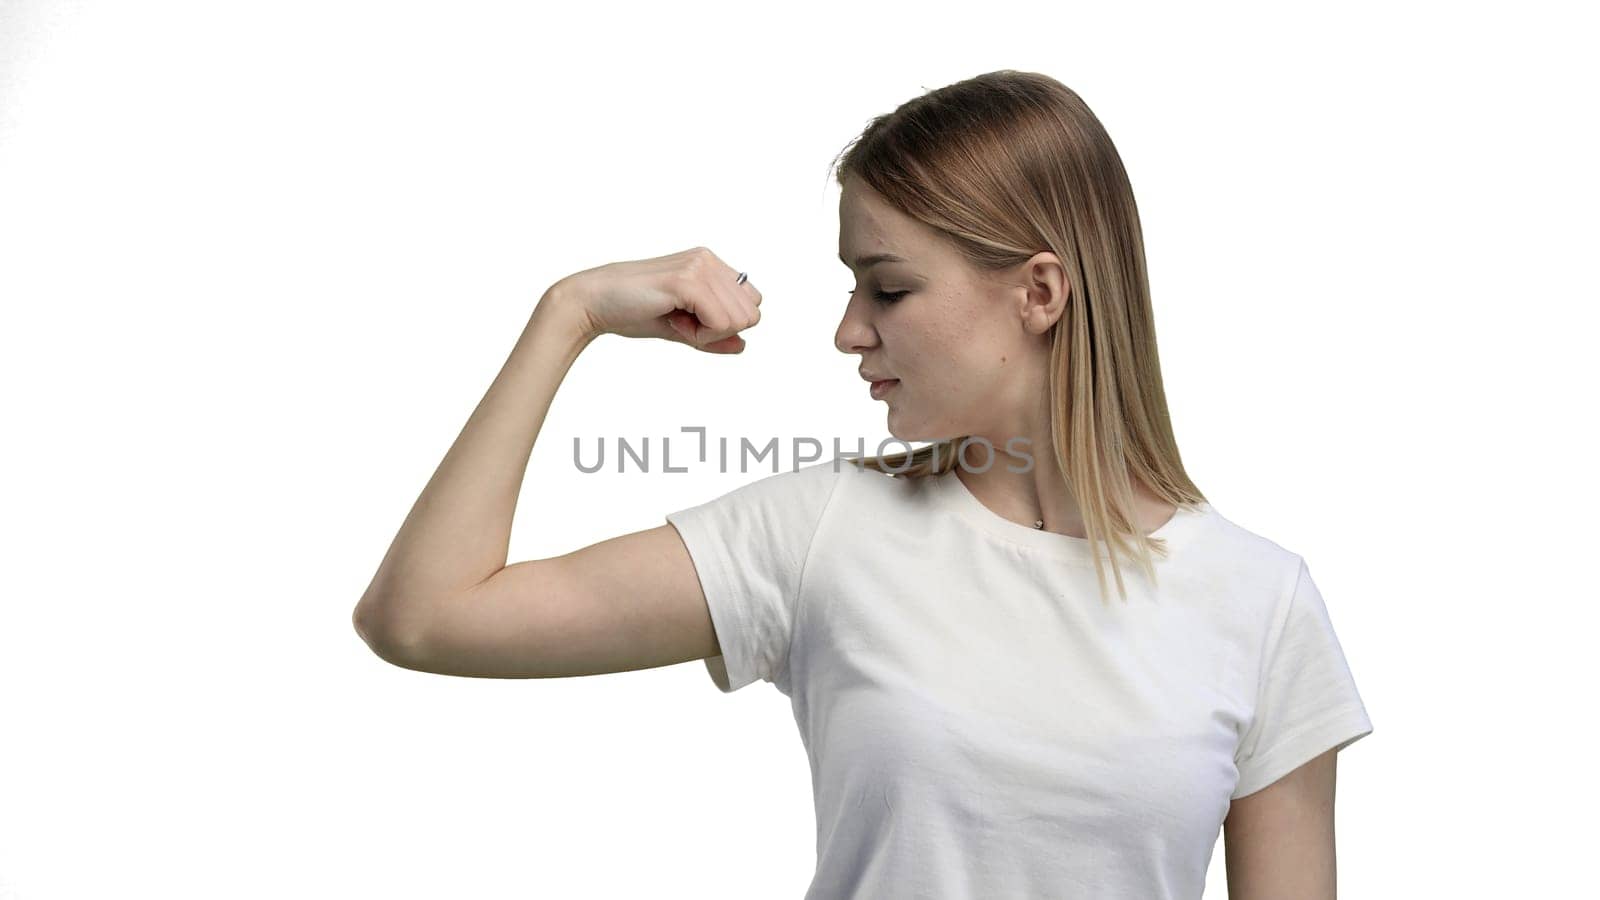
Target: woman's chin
(904, 428)
(906, 431)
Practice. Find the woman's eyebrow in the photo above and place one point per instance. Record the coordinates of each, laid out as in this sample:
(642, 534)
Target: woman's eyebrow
(867, 262)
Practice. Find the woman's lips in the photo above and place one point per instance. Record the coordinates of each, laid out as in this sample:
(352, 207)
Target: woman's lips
(879, 388)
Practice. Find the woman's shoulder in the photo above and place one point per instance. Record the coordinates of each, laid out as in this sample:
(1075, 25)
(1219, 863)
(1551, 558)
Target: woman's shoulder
(1245, 556)
(843, 481)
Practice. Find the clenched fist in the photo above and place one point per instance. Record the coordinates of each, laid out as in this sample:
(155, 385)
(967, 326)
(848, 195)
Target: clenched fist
(690, 297)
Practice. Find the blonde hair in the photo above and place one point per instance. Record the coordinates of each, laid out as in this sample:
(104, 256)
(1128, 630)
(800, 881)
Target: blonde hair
(1005, 165)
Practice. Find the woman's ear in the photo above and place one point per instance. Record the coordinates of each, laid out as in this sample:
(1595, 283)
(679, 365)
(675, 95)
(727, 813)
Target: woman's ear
(1045, 292)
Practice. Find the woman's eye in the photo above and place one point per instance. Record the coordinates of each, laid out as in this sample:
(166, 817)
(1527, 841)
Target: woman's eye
(885, 297)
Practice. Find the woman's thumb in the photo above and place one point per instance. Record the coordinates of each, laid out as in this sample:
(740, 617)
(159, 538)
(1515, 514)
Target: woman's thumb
(684, 324)
(679, 321)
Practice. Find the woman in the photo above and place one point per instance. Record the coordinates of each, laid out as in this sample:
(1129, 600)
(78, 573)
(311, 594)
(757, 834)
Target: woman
(984, 717)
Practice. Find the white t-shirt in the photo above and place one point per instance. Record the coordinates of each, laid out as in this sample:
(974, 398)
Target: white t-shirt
(979, 723)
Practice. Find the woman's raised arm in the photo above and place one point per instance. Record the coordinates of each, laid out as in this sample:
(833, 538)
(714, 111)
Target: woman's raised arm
(443, 598)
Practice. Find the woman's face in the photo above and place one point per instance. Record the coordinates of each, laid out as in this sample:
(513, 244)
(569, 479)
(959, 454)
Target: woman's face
(967, 348)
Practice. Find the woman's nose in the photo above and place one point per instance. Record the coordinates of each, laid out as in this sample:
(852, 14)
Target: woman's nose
(854, 333)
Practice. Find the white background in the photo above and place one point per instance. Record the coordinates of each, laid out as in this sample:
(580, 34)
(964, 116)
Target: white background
(260, 261)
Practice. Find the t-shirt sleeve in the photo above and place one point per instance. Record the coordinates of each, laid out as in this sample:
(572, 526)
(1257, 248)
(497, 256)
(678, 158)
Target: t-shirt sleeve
(749, 547)
(1307, 703)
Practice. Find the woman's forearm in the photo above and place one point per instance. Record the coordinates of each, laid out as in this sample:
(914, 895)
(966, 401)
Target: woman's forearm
(458, 532)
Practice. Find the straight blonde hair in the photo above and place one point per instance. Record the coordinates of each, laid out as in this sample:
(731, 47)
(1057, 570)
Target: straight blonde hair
(1005, 165)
